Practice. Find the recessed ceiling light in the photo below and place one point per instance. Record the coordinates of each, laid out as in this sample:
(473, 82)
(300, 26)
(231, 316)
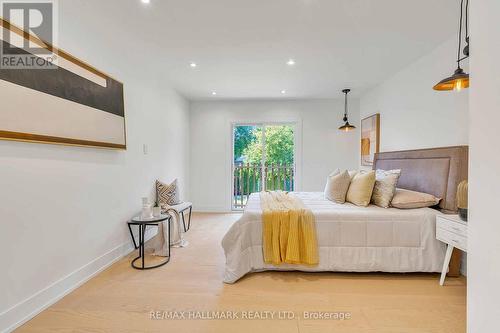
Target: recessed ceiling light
(193, 64)
(283, 91)
(214, 93)
(146, 1)
(290, 62)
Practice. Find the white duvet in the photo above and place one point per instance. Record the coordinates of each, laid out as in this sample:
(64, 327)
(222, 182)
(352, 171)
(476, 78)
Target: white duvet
(350, 239)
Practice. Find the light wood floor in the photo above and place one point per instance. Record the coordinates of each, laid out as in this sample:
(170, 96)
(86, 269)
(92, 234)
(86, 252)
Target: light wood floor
(120, 299)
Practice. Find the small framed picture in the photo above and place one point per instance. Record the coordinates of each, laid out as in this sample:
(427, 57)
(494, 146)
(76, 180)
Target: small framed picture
(370, 139)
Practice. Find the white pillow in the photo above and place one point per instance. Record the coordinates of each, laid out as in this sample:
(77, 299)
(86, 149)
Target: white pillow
(385, 187)
(337, 185)
(334, 173)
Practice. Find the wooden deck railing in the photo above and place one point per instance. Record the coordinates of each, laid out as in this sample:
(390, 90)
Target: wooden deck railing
(251, 178)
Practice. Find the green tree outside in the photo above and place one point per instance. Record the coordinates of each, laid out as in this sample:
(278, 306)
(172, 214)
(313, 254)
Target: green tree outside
(243, 137)
(279, 144)
(279, 147)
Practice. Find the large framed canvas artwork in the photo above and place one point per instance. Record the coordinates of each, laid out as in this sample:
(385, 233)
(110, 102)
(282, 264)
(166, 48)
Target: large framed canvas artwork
(370, 139)
(69, 103)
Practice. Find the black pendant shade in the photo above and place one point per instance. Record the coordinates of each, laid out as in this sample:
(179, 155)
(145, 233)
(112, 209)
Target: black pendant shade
(459, 80)
(346, 127)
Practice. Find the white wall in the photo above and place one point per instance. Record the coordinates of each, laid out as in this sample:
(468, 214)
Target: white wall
(322, 147)
(63, 209)
(484, 226)
(413, 115)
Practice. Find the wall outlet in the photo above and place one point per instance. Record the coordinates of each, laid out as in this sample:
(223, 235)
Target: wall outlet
(145, 149)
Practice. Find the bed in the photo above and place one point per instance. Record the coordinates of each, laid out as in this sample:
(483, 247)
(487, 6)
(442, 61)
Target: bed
(364, 239)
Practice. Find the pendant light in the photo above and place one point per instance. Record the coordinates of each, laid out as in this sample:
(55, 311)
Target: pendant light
(346, 127)
(459, 80)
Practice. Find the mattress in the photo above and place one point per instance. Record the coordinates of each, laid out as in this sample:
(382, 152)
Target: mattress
(350, 239)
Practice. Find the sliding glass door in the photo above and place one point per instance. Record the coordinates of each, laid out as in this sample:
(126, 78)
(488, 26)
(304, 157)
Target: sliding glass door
(263, 159)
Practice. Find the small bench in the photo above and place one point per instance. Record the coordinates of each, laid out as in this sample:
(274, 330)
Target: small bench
(180, 209)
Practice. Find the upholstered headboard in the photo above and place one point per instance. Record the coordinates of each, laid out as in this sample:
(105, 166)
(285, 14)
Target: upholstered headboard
(437, 171)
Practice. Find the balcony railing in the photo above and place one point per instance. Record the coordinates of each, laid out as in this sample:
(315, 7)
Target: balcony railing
(251, 178)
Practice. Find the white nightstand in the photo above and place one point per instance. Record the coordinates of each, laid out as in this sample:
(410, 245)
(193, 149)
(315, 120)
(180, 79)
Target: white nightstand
(451, 230)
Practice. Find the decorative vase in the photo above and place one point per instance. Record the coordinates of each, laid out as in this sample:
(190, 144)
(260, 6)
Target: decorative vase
(462, 200)
(156, 211)
(147, 212)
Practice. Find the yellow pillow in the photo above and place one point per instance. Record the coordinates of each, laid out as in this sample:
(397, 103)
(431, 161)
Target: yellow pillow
(361, 188)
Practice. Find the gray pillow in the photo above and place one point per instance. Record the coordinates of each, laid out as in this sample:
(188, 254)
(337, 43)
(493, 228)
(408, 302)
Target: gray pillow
(385, 187)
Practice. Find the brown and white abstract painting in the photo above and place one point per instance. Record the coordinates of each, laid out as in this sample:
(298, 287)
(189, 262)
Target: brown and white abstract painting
(370, 139)
(70, 103)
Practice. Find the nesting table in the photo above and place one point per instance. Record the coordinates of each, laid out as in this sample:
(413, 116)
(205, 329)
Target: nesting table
(142, 224)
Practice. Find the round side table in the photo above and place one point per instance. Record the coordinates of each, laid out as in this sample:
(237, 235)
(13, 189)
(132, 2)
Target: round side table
(142, 223)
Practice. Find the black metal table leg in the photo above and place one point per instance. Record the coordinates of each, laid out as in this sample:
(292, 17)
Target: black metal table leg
(183, 221)
(142, 240)
(142, 244)
(132, 235)
(189, 217)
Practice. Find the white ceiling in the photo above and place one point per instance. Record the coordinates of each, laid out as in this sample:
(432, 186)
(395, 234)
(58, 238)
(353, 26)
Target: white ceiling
(241, 46)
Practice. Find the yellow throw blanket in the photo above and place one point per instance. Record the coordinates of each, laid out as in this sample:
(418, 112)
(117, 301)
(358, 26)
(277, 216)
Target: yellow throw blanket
(288, 230)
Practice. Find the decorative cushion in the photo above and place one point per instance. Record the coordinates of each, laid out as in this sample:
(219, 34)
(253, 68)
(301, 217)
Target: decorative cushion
(361, 188)
(353, 173)
(385, 187)
(167, 195)
(337, 185)
(334, 173)
(406, 199)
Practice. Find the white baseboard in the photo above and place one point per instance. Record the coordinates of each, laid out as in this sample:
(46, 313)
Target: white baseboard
(20, 313)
